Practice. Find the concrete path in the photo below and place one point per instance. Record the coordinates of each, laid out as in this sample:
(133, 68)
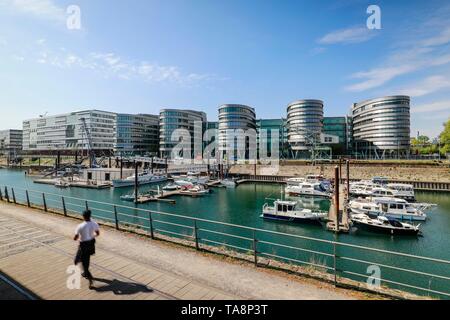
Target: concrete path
(36, 249)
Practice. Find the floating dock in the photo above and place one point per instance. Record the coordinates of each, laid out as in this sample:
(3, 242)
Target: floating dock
(75, 184)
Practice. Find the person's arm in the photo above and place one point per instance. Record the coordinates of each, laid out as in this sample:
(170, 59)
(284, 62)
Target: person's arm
(97, 229)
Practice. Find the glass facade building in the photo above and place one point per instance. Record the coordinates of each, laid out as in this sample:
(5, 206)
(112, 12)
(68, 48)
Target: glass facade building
(137, 134)
(337, 127)
(304, 123)
(381, 127)
(271, 126)
(235, 118)
(190, 122)
(10, 142)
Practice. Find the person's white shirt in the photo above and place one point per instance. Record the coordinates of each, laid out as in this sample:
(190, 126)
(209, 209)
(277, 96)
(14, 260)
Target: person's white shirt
(86, 230)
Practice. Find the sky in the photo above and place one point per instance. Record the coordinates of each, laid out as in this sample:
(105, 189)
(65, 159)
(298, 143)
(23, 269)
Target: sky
(138, 56)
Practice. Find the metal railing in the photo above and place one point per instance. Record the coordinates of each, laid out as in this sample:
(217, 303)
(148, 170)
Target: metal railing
(340, 262)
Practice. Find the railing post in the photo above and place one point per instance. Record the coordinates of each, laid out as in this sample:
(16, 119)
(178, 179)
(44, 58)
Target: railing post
(64, 206)
(152, 235)
(335, 263)
(255, 251)
(28, 198)
(86, 205)
(115, 218)
(6, 194)
(13, 195)
(1, 195)
(196, 235)
(45, 203)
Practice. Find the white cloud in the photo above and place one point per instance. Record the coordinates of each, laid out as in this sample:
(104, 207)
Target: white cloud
(427, 86)
(44, 9)
(349, 35)
(432, 107)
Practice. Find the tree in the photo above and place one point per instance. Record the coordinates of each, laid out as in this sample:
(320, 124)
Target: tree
(444, 138)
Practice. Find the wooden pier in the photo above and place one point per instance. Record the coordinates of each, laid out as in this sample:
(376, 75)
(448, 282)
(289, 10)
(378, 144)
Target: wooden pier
(343, 218)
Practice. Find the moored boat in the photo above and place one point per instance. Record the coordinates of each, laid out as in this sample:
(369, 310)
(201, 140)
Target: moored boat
(308, 189)
(143, 178)
(389, 207)
(383, 224)
(288, 211)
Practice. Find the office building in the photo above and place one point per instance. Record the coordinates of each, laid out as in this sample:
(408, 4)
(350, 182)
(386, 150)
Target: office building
(174, 123)
(381, 127)
(10, 142)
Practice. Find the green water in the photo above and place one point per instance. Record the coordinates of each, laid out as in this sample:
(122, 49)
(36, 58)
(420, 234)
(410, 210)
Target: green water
(242, 206)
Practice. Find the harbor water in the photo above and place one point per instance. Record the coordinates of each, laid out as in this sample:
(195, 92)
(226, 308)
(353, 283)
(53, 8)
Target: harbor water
(242, 206)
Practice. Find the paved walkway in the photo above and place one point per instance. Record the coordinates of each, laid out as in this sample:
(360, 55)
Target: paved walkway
(38, 260)
(36, 249)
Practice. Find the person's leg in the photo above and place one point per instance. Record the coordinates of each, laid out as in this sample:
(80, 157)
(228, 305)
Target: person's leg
(77, 259)
(86, 260)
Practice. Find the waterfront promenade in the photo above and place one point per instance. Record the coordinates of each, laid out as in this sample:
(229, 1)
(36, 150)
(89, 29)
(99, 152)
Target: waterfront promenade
(36, 249)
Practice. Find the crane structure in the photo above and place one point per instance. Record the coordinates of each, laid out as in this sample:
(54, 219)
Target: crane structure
(87, 132)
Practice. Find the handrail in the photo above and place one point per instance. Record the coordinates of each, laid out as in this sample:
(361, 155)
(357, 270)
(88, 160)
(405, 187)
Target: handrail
(34, 194)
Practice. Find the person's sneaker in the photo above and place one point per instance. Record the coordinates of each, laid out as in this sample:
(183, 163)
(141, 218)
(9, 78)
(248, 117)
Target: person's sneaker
(84, 275)
(91, 284)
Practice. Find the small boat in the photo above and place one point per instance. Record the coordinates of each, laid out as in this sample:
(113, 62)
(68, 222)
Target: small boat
(229, 183)
(183, 183)
(384, 225)
(127, 197)
(143, 178)
(171, 187)
(393, 208)
(404, 191)
(308, 189)
(197, 190)
(288, 211)
(62, 184)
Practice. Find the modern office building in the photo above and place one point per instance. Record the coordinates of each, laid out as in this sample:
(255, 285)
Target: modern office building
(270, 127)
(336, 127)
(10, 142)
(67, 133)
(235, 120)
(193, 123)
(304, 124)
(137, 134)
(381, 127)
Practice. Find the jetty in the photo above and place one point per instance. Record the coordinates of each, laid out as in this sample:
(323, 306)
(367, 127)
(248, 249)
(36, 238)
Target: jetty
(338, 217)
(76, 183)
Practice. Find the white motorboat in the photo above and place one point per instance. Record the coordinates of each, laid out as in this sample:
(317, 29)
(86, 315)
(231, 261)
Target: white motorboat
(143, 178)
(288, 211)
(62, 184)
(384, 225)
(389, 207)
(229, 183)
(308, 189)
(171, 187)
(183, 183)
(404, 191)
(197, 190)
(294, 181)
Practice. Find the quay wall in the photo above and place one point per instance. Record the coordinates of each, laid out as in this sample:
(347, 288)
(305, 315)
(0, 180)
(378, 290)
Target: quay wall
(395, 172)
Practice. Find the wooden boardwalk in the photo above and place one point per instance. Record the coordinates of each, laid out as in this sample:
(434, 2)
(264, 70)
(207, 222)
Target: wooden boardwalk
(38, 260)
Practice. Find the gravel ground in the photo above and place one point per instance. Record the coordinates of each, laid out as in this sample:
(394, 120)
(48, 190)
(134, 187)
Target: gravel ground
(238, 278)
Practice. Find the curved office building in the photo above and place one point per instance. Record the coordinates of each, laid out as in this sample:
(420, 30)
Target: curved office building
(304, 123)
(234, 117)
(382, 126)
(173, 119)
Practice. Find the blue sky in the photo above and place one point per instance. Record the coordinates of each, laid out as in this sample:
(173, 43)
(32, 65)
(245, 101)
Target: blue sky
(142, 55)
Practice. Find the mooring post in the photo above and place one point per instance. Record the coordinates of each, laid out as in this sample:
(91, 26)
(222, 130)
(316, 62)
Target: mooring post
(152, 235)
(115, 218)
(28, 198)
(196, 235)
(121, 168)
(336, 196)
(348, 179)
(64, 206)
(13, 195)
(6, 194)
(254, 169)
(44, 202)
(255, 251)
(340, 167)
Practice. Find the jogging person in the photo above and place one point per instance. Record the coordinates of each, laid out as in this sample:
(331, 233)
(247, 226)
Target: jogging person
(86, 233)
